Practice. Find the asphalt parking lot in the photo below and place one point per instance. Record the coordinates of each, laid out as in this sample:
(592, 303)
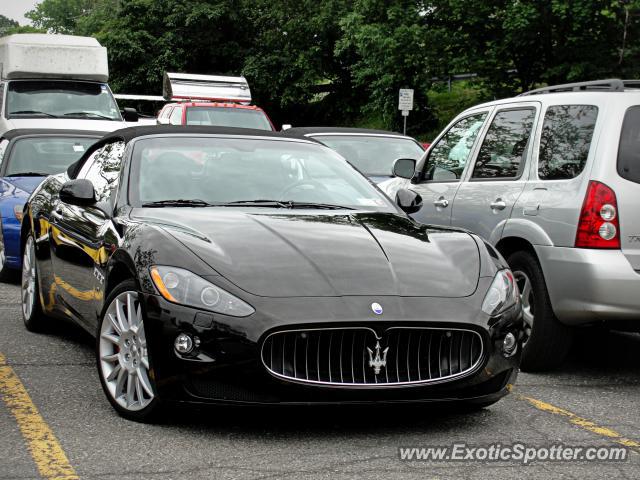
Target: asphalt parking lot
(55, 422)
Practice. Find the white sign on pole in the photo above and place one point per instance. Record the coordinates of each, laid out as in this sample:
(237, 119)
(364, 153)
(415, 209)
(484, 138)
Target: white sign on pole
(405, 102)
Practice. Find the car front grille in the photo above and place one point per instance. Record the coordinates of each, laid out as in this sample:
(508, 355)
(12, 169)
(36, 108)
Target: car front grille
(358, 356)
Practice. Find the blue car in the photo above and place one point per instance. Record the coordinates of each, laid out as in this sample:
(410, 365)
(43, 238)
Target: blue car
(27, 156)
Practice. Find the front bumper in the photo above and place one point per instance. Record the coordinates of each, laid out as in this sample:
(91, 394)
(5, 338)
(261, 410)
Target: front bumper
(587, 285)
(227, 366)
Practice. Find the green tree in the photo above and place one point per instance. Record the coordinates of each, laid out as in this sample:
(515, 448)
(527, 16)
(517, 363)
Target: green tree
(388, 46)
(6, 24)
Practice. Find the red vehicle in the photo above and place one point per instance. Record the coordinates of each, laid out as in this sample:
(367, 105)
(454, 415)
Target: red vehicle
(210, 100)
(214, 113)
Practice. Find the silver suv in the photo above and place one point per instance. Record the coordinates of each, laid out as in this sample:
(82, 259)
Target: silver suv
(552, 179)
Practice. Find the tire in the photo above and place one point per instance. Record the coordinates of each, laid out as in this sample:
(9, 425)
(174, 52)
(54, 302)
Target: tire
(122, 358)
(547, 341)
(32, 314)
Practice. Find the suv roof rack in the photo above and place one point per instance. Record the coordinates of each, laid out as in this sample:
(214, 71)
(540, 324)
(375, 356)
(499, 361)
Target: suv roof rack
(610, 85)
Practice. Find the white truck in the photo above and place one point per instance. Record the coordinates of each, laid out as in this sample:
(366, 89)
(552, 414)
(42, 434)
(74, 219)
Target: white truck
(56, 81)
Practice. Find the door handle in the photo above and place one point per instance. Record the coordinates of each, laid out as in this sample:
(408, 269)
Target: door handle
(498, 204)
(441, 202)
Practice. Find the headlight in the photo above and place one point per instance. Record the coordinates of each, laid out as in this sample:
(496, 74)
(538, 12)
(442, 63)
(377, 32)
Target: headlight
(17, 211)
(502, 294)
(178, 285)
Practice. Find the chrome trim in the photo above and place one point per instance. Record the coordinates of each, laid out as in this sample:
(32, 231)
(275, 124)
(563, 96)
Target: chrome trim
(441, 379)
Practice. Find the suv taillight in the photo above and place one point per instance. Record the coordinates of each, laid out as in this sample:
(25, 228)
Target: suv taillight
(599, 226)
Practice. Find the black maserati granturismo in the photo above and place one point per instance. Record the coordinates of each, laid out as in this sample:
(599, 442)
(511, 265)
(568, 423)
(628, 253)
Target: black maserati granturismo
(239, 266)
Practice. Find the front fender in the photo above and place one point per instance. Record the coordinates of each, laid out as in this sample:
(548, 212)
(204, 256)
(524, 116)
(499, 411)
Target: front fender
(10, 198)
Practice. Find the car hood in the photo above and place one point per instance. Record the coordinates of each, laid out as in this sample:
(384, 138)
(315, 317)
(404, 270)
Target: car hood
(26, 184)
(302, 254)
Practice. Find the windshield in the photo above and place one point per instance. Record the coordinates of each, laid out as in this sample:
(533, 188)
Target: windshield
(45, 155)
(222, 170)
(372, 155)
(228, 117)
(61, 99)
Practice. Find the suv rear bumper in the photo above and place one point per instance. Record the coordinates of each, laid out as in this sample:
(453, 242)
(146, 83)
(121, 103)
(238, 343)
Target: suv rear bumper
(587, 286)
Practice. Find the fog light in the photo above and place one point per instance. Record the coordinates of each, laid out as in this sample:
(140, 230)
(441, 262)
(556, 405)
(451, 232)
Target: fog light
(183, 343)
(509, 345)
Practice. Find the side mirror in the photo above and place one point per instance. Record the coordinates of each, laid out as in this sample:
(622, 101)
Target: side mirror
(78, 192)
(408, 200)
(404, 168)
(286, 126)
(130, 114)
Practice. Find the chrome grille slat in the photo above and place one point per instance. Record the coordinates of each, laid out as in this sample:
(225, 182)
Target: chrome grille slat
(331, 355)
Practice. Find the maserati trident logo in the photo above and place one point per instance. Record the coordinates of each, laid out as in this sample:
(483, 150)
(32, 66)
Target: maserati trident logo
(377, 362)
(376, 308)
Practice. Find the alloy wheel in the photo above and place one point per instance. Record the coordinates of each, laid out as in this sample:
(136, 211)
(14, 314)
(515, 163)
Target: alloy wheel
(28, 279)
(527, 301)
(122, 348)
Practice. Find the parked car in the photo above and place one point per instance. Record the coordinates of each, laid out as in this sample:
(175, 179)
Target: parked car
(370, 151)
(27, 156)
(43, 85)
(551, 178)
(215, 114)
(273, 272)
(211, 100)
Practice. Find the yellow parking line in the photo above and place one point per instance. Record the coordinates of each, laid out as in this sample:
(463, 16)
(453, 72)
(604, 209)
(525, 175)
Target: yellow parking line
(47, 453)
(583, 423)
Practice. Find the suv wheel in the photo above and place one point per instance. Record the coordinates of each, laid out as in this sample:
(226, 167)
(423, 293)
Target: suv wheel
(547, 341)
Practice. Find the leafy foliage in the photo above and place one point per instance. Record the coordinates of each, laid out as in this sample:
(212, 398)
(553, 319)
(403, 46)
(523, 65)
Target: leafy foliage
(340, 61)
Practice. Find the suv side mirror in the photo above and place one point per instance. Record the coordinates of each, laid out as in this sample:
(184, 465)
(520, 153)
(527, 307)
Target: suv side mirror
(408, 200)
(78, 192)
(130, 114)
(286, 126)
(404, 168)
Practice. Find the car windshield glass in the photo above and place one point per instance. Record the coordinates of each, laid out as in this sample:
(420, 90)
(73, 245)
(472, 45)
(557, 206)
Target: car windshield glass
(372, 155)
(228, 117)
(61, 99)
(45, 155)
(256, 172)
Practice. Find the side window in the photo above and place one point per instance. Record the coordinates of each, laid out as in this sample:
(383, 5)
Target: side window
(449, 156)
(176, 116)
(4, 143)
(565, 141)
(504, 147)
(103, 169)
(629, 150)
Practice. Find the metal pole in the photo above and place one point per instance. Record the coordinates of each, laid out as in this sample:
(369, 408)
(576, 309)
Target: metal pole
(405, 125)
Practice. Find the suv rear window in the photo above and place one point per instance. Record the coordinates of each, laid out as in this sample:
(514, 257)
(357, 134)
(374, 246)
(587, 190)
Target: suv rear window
(565, 140)
(629, 150)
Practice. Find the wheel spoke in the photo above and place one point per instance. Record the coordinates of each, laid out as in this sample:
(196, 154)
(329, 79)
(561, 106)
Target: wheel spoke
(111, 358)
(114, 324)
(122, 318)
(115, 373)
(144, 381)
(130, 390)
(131, 312)
(122, 375)
(112, 338)
(139, 394)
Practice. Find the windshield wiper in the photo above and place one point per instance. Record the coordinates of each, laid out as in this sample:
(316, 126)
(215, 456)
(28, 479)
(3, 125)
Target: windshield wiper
(284, 204)
(28, 174)
(257, 203)
(33, 112)
(178, 203)
(87, 114)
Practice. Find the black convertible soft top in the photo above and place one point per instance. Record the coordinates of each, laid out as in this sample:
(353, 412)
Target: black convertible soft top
(23, 132)
(130, 133)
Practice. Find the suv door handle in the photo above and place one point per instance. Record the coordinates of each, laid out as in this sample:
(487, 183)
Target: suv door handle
(498, 204)
(441, 202)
